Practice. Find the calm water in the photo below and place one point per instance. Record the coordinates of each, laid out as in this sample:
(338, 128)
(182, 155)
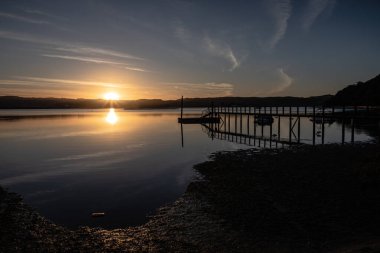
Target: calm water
(124, 163)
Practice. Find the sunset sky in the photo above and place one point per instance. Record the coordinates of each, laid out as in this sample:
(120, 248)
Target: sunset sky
(165, 49)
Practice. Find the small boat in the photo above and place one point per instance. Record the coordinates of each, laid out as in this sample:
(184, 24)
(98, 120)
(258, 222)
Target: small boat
(264, 119)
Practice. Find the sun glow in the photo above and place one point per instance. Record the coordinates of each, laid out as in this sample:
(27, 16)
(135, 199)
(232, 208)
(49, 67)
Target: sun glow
(112, 118)
(111, 96)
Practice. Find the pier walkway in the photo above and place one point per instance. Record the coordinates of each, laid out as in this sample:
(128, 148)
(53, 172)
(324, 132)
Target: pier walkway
(247, 124)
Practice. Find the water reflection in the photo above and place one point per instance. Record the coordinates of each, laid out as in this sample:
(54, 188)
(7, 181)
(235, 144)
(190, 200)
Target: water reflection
(127, 170)
(81, 166)
(243, 129)
(112, 118)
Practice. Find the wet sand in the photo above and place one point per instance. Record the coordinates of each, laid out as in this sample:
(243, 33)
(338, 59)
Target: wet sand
(306, 199)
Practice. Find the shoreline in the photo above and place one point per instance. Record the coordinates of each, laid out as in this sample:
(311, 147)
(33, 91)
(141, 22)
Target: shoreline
(305, 199)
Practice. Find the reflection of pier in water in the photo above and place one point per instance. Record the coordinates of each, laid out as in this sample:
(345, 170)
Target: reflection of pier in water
(243, 138)
(264, 126)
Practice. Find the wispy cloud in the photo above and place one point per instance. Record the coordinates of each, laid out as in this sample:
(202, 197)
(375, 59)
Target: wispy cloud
(202, 89)
(43, 13)
(66, 46)
(84, 59)
(98, 51)
(199, 45)
(285, 81)
(27, 38)
(84, 54)
(97, 61)
(38, 80)
(315, 9)
(222, 49)
(23, 18)
(137, 69)
(281, 11)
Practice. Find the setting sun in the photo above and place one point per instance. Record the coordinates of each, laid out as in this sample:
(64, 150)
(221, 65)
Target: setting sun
(111, 96)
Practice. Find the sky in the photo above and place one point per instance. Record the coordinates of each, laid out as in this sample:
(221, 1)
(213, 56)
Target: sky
(166, 49)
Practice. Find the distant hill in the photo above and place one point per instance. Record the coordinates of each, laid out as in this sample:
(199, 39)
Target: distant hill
(361, 93)
(14, 102)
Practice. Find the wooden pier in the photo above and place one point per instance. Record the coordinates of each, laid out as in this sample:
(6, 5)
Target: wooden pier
(246, 125)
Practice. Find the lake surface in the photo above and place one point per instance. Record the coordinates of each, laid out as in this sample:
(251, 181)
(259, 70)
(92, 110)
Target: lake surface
(70, 163)
(124, 163)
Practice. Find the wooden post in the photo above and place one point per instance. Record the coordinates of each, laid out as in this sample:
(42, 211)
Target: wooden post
(270, 135)
(212, 130)
(229, 120)
(181, 107)
(279, 127)
(241, 122)
(343, 125)
(182, 134)
(225, 119)
(254, 126)
(290, 124)
(270, 128)
(299, 129)
(235, 115)
(313, 125)
(247, 124)
(352, 130)
(299, 125)
(249, 112)
(323, 125)
(218, 115)
(353, 125)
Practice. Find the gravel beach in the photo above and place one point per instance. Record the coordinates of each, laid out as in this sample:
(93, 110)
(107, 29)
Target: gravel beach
(303, 199)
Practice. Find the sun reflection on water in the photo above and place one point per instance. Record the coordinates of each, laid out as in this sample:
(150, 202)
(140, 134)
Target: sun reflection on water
(112, 118)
